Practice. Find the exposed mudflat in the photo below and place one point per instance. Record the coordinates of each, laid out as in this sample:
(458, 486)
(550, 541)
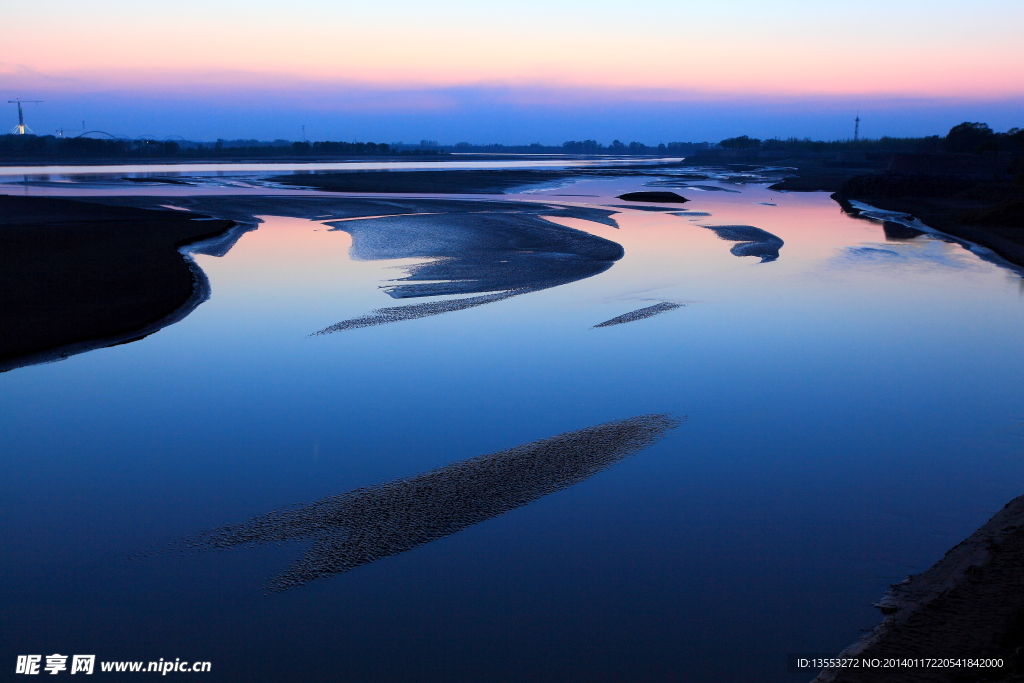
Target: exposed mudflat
(394, 314)
(711, 188)
(504, 251)
(79, 276)
(475, 181)
(374, 522)
(752, 241)
(425, 182)
(472, 252)
(638, 207)
(641, 313)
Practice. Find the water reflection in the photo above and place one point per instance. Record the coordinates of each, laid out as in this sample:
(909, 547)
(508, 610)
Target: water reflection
(373, 522)
(897, 232)
(865, 211)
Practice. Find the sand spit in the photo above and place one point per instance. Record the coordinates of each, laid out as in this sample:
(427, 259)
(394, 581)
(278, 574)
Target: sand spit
(473, 253)
(159, 181)
(370, 523)
(752, 241)
(394, 314)
(78, 276)
(970, 604)
(493, 247)
(641, 313)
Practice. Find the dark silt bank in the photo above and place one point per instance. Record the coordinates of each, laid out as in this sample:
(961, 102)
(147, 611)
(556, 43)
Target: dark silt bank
(752, 241)
(654, 196)
(370, 523)
(80, 275)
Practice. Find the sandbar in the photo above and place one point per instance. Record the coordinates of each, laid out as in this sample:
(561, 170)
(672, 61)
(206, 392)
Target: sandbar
(373, 522)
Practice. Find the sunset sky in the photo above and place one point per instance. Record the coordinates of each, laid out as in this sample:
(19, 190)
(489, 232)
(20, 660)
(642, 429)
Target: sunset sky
(513, 72)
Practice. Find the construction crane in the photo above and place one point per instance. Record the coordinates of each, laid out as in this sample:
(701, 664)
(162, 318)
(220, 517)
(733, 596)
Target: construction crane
(21, 128)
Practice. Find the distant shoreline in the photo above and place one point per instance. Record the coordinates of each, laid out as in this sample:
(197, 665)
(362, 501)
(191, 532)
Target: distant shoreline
(295, 159)
(320, 159)
(969, 604)
(955, 194)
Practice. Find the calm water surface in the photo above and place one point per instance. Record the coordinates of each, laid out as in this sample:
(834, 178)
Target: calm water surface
(853, 409)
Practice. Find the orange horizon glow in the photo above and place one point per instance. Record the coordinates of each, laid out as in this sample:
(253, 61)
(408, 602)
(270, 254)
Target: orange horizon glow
(538, 86)
(793, 48)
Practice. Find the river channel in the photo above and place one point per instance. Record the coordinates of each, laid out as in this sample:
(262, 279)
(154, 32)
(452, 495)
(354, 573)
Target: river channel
(839, 403)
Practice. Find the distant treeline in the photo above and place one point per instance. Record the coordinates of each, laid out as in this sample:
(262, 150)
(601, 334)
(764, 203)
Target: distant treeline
(587, 147)
(41, 147)
(966, 137)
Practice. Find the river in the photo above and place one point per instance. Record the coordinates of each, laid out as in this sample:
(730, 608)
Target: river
(845, 412)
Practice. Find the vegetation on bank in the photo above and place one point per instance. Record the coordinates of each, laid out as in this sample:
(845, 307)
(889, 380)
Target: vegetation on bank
(966, 137)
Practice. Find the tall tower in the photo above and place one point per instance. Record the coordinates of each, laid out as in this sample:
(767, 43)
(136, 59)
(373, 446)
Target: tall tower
(856, 128)
(21, 128)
